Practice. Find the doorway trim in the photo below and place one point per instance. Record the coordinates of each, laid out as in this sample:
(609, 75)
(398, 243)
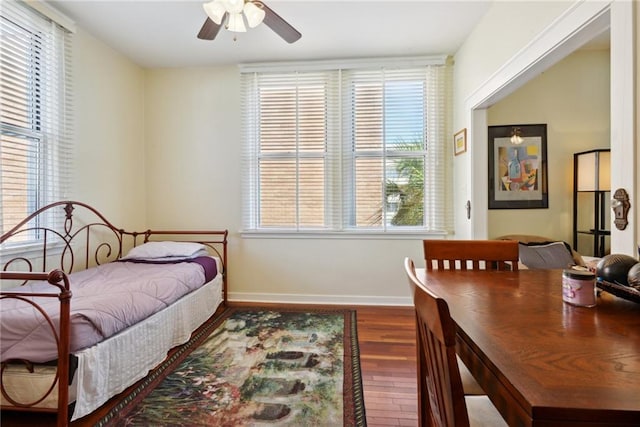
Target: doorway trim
(579, 24)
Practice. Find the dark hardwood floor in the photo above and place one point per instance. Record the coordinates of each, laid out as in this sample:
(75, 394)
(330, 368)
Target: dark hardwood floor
(388, 362)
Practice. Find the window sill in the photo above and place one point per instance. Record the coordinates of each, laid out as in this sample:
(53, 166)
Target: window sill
(353, 235)
(29, 249)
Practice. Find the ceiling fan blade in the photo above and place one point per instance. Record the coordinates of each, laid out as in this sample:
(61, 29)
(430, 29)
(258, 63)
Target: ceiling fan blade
(280, 26)
(209, 30)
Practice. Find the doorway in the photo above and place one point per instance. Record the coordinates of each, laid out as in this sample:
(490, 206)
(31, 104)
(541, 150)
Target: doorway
(583, 23)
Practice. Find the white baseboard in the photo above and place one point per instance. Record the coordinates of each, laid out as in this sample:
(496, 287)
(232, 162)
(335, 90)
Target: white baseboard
(319, 299)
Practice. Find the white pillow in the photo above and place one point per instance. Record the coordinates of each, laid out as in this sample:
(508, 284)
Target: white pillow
(164, 251)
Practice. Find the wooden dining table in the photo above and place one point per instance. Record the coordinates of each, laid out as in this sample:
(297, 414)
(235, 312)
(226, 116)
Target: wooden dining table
(541, 361)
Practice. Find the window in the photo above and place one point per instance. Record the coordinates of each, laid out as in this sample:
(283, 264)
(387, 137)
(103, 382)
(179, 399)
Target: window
(34, 113)
(351, 149)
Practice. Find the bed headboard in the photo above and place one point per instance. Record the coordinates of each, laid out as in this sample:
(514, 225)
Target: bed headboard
(70, 236)
(65, 235)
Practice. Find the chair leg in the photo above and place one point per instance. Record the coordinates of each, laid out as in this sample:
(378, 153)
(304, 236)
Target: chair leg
(424, 408)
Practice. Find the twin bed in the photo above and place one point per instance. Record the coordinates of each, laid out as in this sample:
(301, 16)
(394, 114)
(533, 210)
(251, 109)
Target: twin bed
(89, 309)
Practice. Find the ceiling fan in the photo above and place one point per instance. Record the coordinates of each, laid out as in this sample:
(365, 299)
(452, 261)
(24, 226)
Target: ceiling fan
(232, 14)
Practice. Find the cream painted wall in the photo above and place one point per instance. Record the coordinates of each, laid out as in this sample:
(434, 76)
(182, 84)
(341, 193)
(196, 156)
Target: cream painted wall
(174, 135)
(193, 155)
(572, 98)
(109, 132)
(193, 148)
(504, 31)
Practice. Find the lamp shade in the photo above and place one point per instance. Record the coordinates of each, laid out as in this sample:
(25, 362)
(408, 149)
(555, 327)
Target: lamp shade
(254, 14)
(594, 170)
(516, 137)
(215, 10)
(233, 6)
(235, 23)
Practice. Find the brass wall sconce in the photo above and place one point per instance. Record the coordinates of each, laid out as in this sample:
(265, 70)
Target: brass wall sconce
(620, 206)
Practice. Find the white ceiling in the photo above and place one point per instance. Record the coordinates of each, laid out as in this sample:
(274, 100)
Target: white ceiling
(158, 34)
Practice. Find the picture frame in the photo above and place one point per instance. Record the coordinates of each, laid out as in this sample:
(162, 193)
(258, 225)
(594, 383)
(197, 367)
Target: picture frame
(460, 142)
(518, 167)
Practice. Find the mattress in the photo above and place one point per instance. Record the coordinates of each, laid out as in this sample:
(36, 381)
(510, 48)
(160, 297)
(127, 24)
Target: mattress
(145, 345)
(106, 299)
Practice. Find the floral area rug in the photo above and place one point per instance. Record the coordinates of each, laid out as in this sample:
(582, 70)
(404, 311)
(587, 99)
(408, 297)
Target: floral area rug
(255, 367)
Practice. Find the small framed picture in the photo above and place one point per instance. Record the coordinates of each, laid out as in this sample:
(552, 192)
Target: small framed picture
(460, 142)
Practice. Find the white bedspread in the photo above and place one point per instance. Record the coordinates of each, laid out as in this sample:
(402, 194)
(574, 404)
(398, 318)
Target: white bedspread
(129, 356)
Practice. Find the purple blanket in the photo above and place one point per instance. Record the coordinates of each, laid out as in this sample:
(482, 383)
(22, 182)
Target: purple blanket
(106, 299)
(208, 264)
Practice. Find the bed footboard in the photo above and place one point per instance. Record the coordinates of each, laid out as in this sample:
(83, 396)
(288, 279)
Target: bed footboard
(59, 280)
(64, 237)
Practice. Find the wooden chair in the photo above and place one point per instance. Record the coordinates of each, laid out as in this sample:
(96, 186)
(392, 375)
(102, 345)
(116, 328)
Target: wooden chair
(469, 383)
(471, 254)
(441, 398)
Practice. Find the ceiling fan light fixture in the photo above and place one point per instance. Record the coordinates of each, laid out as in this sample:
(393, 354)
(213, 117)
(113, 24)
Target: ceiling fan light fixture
(215, 10)
(235, 23)
(253, 13)
(235, 15)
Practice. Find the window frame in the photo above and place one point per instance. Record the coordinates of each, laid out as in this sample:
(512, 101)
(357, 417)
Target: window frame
(338, 156)
(41, 38)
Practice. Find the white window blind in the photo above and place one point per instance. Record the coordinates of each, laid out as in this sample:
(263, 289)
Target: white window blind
(35, 113)
(347, 149)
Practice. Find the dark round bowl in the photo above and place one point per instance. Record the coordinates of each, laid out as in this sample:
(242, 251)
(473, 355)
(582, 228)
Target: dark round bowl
(615, 268)
(633, 276)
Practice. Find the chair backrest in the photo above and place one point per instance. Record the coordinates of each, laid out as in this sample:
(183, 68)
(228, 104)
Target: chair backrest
(440, 393)
(471, 254)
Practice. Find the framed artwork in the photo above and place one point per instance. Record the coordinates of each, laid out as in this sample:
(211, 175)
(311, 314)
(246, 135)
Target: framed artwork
(460, 142)
(518, 167)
